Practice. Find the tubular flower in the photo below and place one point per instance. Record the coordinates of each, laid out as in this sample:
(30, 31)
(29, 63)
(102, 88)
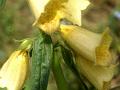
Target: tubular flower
(49, 12)
(90, 45)
(13, 72)
(99, 76)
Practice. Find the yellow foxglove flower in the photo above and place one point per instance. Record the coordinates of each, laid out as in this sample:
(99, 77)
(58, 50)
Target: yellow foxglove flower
(92, 46)
(49, 12)
(13, 72)
(99, 76)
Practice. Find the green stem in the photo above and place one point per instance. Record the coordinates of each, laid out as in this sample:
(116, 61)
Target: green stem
(57, 71)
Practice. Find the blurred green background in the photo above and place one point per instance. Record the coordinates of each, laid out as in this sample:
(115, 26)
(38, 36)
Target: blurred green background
(16, 22)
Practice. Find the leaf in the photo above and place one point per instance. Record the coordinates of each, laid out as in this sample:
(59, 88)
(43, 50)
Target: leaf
(57, 71)
(2, 3)
(41, 63)
(69, 60)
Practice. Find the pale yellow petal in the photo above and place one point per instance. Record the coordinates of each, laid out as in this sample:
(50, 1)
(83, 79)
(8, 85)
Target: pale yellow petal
(52, 11)
(93, 46)
(99, 76)
(13, 74)
(37, 6)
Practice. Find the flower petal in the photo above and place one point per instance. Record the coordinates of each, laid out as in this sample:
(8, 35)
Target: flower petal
(92, 46)
(99, 76)
(49, 12)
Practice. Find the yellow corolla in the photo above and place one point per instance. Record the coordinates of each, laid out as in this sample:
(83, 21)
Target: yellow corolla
(99, 76)
(93, 46)
(13, 72)
(49, 12)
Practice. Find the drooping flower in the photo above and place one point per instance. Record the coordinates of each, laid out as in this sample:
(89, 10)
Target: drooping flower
(49, 12)
(99, 76)
(92, 46)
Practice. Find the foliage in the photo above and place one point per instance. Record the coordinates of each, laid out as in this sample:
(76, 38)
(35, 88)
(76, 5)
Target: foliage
(41, 62)
(49, 52)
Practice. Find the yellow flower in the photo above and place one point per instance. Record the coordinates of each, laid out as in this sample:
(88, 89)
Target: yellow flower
(90, 45)
(49, 12)
(99, 76)
(13, 72)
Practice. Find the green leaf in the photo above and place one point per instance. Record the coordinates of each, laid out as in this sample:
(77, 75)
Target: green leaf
(57, 71)
(2, 3)
(69, 60)
(41, 63)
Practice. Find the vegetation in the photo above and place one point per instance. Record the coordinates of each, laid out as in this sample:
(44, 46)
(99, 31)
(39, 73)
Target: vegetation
(59, 45)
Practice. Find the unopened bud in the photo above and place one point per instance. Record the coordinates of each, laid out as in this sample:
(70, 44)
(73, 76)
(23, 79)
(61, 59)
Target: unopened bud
(13, 72)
